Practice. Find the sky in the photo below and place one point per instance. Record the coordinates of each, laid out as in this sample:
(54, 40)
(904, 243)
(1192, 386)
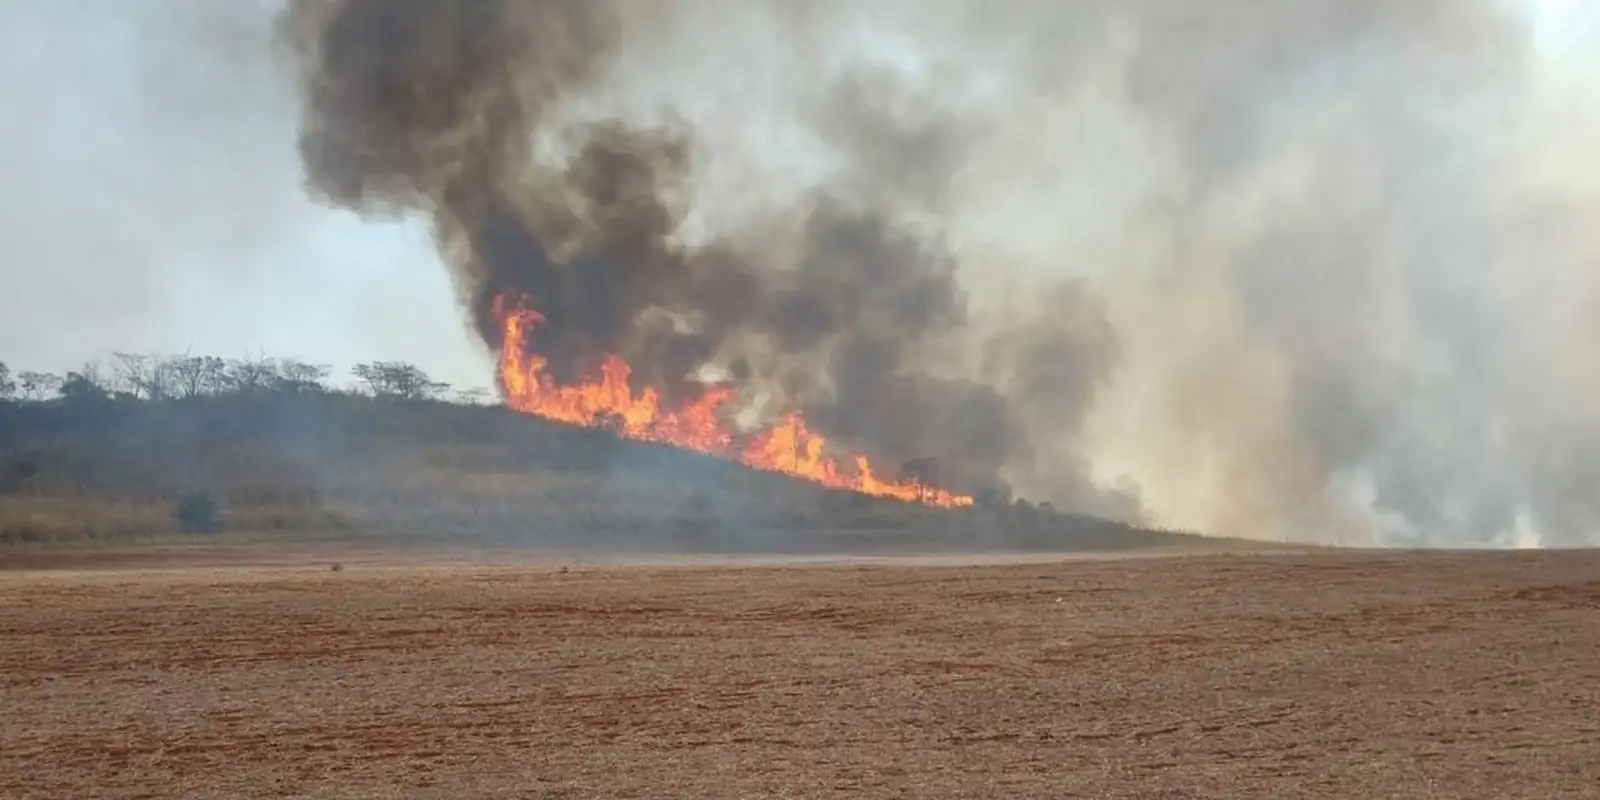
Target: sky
(155, 203)
(154, 199)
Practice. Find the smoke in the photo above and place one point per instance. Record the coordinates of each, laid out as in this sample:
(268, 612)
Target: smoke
(441, 108)
(1288, 270)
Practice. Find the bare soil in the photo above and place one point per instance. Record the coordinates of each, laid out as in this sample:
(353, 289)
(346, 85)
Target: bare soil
(1387, 675)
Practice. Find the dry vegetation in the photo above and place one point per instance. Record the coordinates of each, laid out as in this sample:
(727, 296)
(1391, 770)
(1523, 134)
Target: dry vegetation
(302, 464)
(1337, 676)
(135, 662)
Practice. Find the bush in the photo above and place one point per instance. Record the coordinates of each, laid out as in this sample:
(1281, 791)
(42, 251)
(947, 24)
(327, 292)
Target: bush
(197, 512)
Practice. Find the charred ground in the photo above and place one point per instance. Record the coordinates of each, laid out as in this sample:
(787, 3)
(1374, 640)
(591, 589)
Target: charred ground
(290, 457)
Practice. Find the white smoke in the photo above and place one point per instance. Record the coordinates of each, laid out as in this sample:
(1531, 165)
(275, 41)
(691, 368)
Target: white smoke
(1342, 244)
(1346, 246)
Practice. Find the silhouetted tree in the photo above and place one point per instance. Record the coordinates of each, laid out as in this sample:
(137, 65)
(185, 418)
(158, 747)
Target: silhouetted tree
(84, 387)
(142, 375)
(398, 380)
(294, 375)
(38, 386)
(251, 374)
(473, 397)
(92, 374)
(194, 376)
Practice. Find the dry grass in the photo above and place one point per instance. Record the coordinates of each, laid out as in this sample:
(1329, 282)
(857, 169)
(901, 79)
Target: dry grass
(1350, 675)
(68, 518)
(313, 466)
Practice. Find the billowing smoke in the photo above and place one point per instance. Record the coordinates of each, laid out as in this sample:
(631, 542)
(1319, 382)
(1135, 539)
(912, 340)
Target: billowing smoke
(1306, 270)
(839, 304)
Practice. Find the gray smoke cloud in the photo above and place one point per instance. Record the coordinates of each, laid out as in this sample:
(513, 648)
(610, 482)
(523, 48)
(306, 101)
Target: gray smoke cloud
(438, 108)
(1290, 270)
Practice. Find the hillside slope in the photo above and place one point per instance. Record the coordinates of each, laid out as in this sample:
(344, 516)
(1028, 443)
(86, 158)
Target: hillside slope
(357, 466)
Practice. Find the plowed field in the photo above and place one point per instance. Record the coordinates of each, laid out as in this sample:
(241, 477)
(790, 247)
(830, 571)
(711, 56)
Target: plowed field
(1272, 676)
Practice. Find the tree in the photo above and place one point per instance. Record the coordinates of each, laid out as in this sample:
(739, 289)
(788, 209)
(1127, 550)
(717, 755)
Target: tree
(89, 379)
(90, 375)
(397, 380)
(296, 376)
(142, 375)
(83, 386)
(193, 376)
(38, 386)
(8, 386)
(251, 374)
(473, 397)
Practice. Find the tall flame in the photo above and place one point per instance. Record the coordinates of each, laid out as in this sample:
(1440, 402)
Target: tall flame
(608, 401)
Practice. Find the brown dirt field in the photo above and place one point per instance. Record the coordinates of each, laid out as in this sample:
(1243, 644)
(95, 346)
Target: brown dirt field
(1276, 676)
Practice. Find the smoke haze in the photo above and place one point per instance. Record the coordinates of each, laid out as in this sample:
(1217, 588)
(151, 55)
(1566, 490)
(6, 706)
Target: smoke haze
(1310, 271)
(155, 202)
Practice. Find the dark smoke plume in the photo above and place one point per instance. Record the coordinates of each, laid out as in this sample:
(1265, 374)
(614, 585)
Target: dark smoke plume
(441, 108)
(1314, 270)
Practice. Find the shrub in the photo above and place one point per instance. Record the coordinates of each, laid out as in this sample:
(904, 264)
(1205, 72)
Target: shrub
(197, 512)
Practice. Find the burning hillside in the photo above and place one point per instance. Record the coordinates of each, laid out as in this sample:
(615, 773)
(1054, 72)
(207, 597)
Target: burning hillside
(839, 310)
(608, 400)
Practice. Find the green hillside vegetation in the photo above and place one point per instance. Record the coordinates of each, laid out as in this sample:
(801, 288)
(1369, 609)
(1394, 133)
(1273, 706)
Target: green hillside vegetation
(146, 448)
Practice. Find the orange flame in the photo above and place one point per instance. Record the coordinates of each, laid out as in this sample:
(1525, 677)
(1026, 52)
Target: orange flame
(607, 400)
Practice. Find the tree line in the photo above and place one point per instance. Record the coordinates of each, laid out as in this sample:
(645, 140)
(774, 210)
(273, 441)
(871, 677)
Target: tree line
(146, 376)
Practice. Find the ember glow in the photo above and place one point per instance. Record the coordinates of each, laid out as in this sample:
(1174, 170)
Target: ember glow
(607, 400)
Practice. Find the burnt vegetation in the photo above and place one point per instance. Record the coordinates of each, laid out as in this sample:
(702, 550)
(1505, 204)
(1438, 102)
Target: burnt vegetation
(144, 448)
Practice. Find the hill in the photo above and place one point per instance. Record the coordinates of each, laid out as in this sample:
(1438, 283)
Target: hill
(109, 467)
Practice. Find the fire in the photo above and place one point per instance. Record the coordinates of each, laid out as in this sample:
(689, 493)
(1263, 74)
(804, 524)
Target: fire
(608, 401)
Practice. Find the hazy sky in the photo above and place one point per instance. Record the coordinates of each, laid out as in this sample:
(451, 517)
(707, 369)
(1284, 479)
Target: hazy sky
(1438, 191)
(154, 204)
